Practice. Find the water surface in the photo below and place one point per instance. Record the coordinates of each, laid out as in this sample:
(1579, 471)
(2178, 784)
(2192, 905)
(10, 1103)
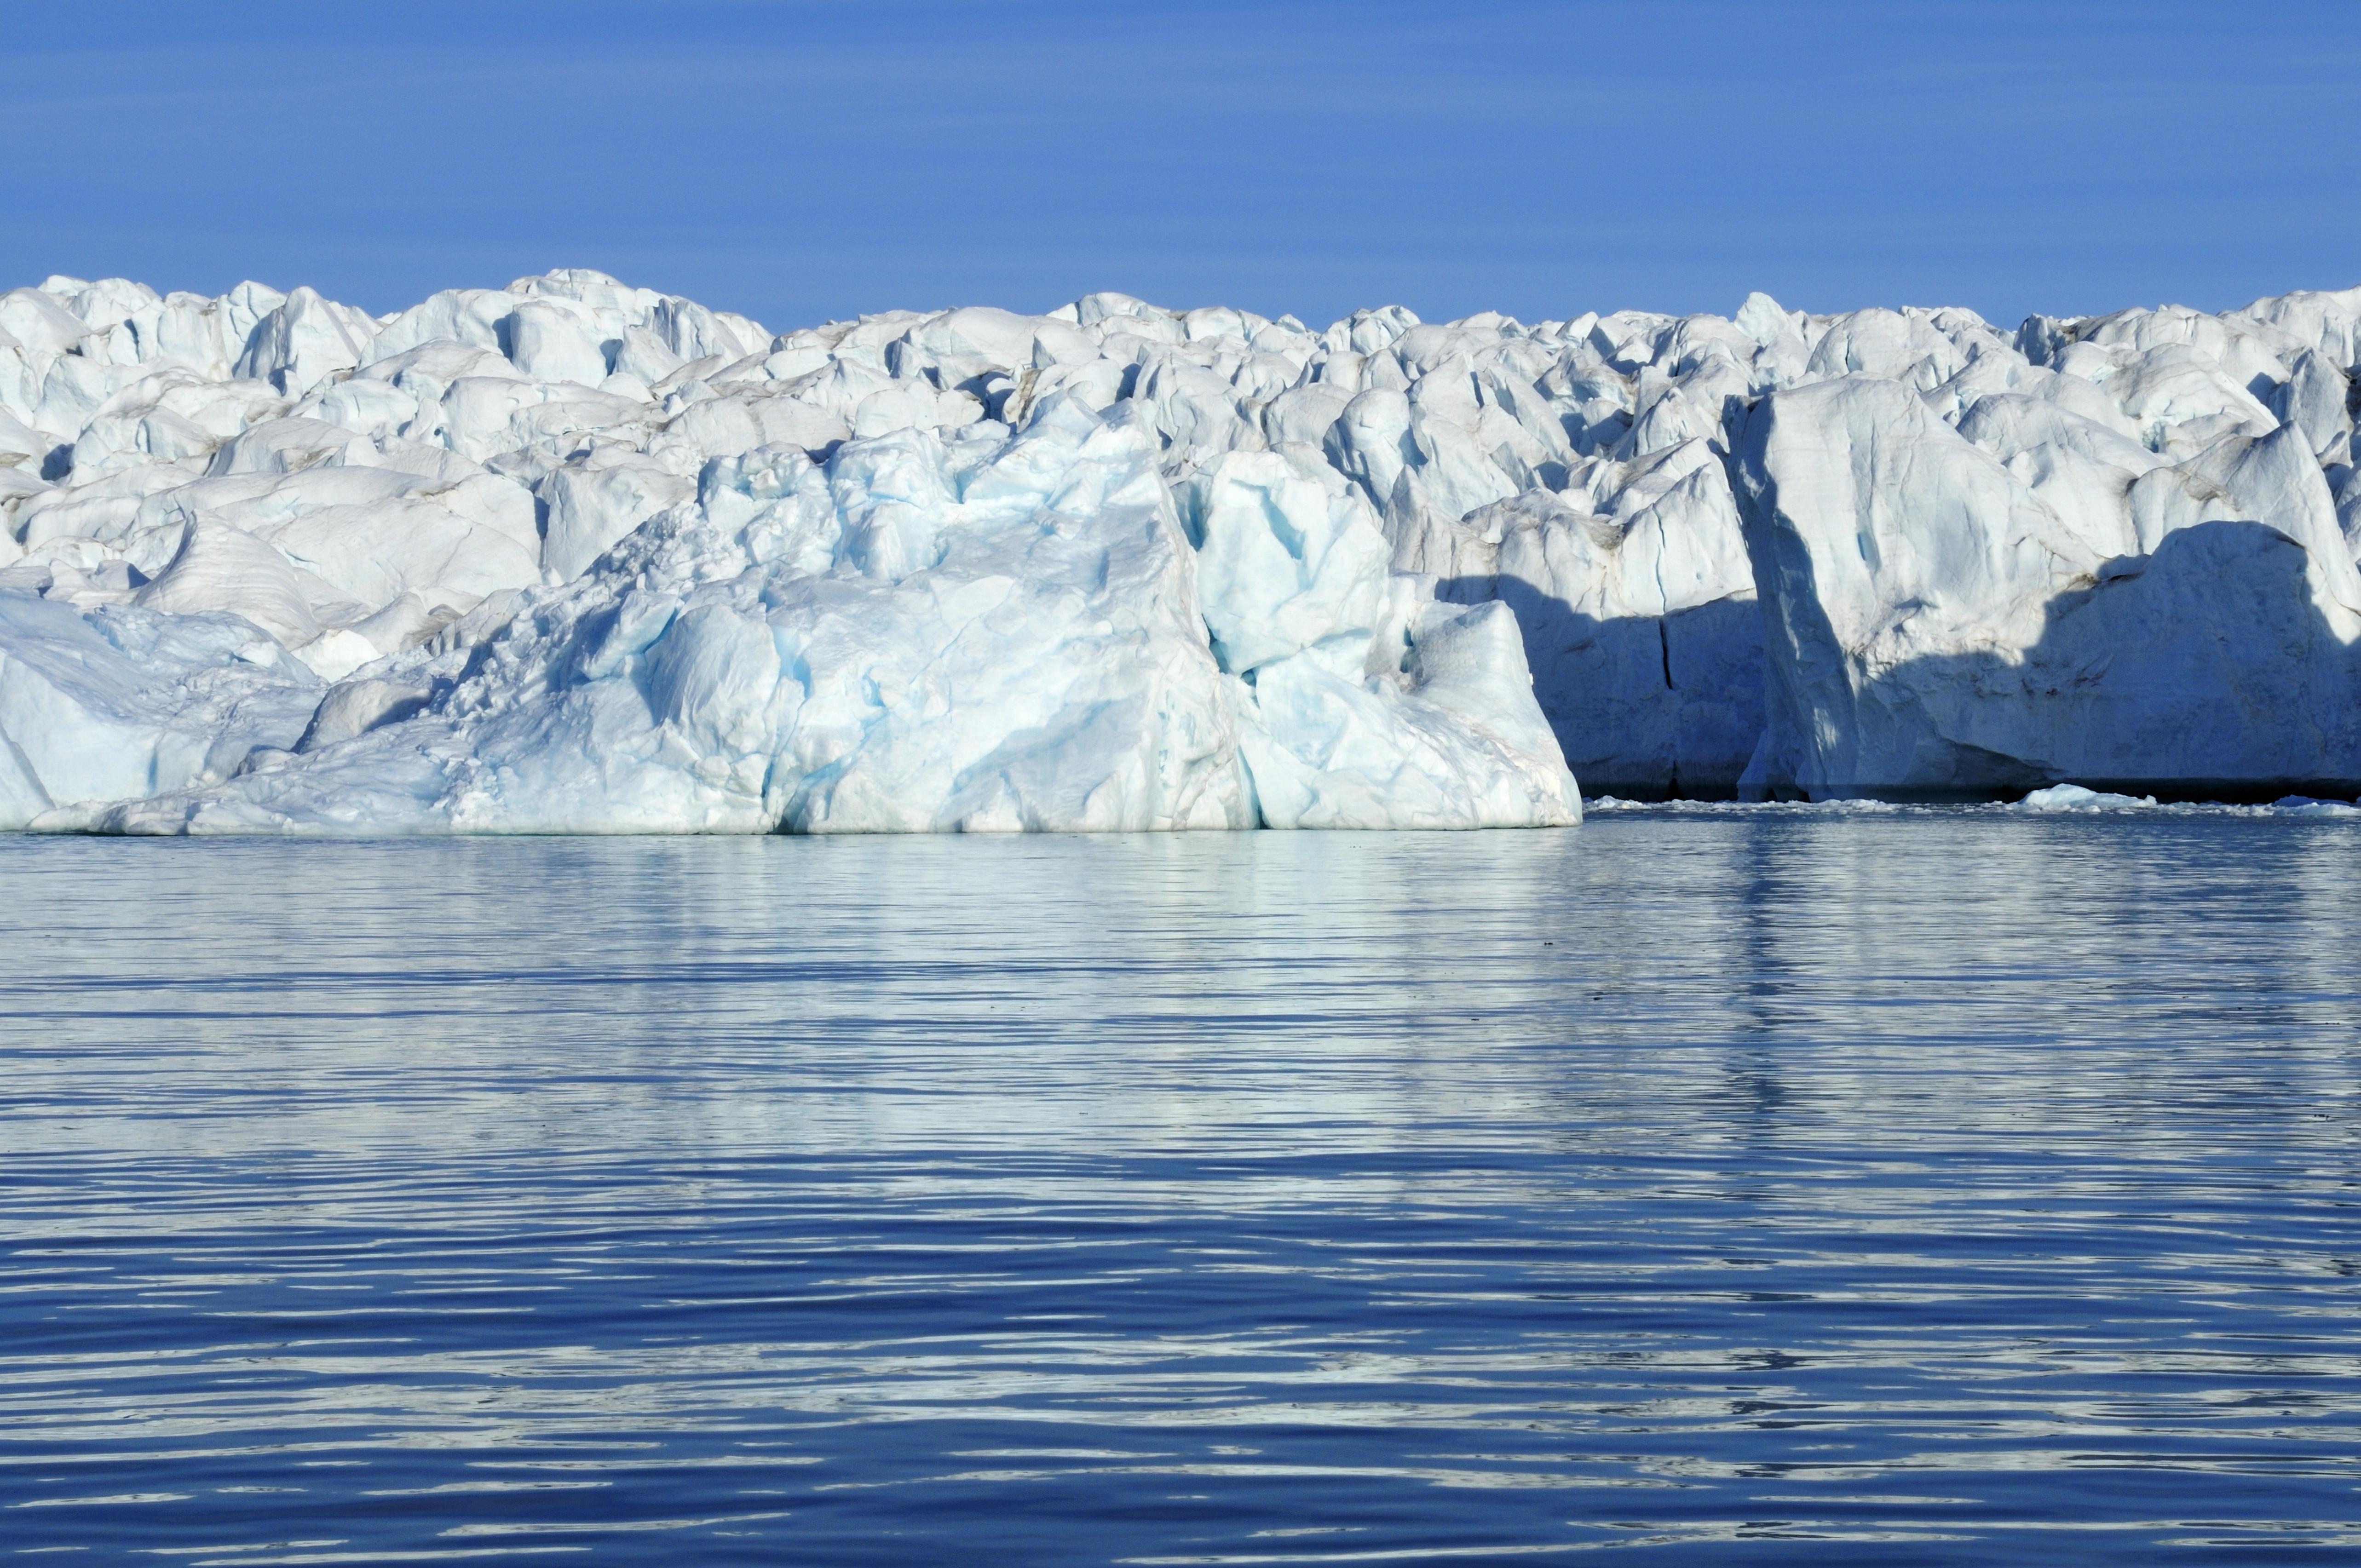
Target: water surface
(1785, 1188)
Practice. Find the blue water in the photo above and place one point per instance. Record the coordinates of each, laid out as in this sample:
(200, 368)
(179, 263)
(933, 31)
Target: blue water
(1793, 1188)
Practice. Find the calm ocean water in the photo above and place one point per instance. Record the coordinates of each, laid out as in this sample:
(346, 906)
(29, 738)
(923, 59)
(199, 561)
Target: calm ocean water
(1788, 1188)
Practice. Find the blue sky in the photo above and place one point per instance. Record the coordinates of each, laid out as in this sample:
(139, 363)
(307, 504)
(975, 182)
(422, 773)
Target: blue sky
(801, 160)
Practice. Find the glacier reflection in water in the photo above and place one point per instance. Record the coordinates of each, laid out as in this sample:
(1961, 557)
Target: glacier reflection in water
(1929, 1188)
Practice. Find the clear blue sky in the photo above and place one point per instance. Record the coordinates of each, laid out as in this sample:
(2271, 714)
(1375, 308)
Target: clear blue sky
(801, 160)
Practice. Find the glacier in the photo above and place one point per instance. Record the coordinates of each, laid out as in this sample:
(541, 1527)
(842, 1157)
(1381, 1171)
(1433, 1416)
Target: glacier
(575, 556)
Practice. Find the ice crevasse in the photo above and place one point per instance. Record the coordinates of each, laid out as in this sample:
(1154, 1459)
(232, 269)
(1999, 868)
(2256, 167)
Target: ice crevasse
(572, 555)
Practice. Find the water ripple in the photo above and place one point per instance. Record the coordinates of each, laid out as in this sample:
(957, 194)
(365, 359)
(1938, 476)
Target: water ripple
(1785, 1187)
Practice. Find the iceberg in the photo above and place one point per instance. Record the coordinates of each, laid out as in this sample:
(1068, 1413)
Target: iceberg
(577, 556)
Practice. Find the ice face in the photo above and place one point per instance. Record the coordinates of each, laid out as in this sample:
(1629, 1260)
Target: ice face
(119, 702)
(1961, 613)
(574, 555)
(906, 617)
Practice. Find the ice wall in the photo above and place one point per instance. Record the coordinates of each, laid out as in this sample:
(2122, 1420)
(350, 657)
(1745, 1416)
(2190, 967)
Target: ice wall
(573, 554)
(574, 557)
(2124, 565)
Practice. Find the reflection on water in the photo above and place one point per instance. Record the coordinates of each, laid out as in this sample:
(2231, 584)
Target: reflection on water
(1927, 1187)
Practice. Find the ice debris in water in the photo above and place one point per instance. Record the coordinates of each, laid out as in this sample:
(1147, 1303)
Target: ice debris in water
(2075, 799)
(2304, 806)
(572, 555)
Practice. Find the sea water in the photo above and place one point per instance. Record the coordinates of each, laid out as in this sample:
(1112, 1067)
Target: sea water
(1780, 1187)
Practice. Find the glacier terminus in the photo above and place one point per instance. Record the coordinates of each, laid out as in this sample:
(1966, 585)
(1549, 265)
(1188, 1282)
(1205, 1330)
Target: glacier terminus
(573, 557)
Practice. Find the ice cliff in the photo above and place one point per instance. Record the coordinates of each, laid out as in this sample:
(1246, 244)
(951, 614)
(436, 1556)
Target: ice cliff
(577, 557)
(572, 555)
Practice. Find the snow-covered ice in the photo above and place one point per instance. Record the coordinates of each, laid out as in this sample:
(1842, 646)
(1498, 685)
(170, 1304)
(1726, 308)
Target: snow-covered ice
(572, 555)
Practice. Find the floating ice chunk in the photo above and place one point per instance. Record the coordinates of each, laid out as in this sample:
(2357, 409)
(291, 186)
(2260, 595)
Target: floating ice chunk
(2305, 805)
(2065, 798)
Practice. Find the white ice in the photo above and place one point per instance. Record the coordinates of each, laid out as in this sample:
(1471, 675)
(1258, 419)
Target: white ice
(574, 555)
(577, 557)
